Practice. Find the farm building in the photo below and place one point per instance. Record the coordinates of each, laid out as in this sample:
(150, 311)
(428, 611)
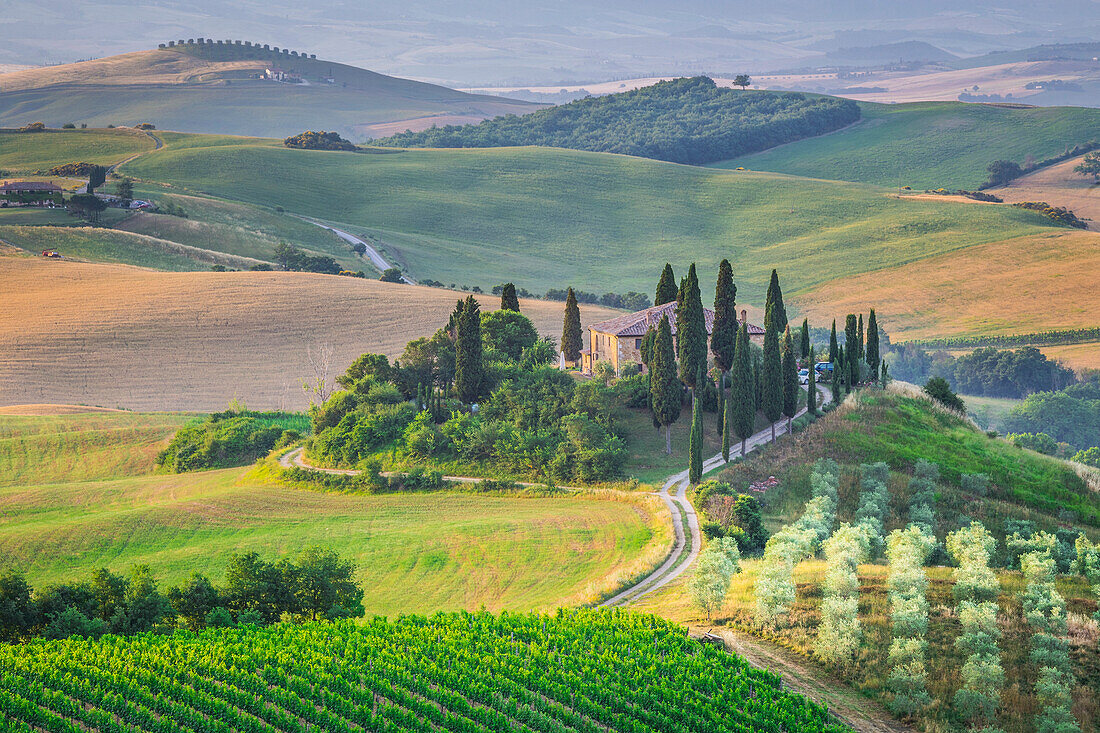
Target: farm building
(31, 192)
(619, 340)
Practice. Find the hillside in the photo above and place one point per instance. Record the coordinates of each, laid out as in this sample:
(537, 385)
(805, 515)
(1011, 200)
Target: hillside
(1060, 185)
(683, 120)
(80, 494)
(899, 428)
(95, 334)
(532, 215)
(189, 88)
(930, 145)
(22, 153)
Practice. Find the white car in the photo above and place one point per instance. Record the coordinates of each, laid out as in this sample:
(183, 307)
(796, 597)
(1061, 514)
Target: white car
(803, 376)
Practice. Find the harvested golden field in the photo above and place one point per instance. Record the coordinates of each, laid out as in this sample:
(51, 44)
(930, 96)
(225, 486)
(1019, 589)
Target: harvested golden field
(1022, 285)
(1079, 356)
(1058, 185)
(118, 336)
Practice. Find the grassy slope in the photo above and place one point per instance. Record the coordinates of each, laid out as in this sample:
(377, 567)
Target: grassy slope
(419, 553)
(898, 430)
(26, 153)
(930, 144)
(600, 222)
(178, 91)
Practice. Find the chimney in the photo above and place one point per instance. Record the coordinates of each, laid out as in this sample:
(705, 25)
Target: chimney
(744, 316)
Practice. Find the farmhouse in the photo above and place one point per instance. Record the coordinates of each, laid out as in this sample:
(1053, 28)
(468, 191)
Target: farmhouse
(619, 340)
(31, 192)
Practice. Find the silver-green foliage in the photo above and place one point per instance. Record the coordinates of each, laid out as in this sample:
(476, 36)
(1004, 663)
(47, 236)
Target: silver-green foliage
(774, 589)
(711, 582)
(1088, 564)
(839, 635)
(1045, 611)
(922, 496)
(874, 498)
(907, 550)
(976, 589)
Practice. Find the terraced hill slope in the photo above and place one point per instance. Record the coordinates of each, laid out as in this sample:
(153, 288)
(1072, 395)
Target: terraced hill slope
(174, 88)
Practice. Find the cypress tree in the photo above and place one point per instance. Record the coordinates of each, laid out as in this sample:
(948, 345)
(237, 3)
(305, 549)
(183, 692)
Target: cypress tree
(742, 409)
(873, 357)
(571, 341)
(468, 353)
(838, 374)
(723, 337)
(452, 322)
(722, 399)
(842, 369)
(646, 350)
(691, 331)
(695, 442)
(811, 387)
(772, 375)
(833, 345)
(805, 345)
(727, 412)
(789, 364)
(664, 386)
(666, 287)
(859, 336)
(851, 351)
(757, 386)
(508, 299)
(773, 306)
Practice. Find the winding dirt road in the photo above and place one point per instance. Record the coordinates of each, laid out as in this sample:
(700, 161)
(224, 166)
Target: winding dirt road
(372, 254)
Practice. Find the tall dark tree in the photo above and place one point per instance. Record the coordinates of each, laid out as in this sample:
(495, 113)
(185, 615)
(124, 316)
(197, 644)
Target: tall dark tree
(838, 371)
(723, 336)
(17, 612)
(695, 441)
(804, 346)
(873, 356)
(833, 345)
(859, 336)
(508, 299)
(646, 350)
(664, 385)
(571, 341)
(469, 367)
(691, 331)
(727, 426)
(774, 310)
(666, 287)
(789, 363)
(811, 387)
(851, 350)
(722, 399)
(96, 178)
(772, 375)
(742, 390)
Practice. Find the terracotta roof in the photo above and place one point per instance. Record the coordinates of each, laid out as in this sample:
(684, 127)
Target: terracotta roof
(636, 324)
(30, 186)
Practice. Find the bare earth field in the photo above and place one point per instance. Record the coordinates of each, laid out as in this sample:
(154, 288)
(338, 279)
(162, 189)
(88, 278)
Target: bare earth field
(1027, 287)
(118, 336)
(1058, 185)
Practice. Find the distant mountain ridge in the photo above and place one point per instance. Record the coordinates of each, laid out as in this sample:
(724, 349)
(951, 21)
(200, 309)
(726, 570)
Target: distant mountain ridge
(231, 88)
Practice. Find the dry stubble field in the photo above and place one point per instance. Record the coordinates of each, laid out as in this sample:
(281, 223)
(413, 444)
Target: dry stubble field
(118, 336)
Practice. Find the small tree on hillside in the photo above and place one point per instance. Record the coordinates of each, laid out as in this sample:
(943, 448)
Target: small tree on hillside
(469, 369)
(938, 389)
(743, 81)
(666, 287)
(873, 356)
(789, 363)
(571, 341)
(508, 299)
(742, 390)
(1089, 166)
(664, 386)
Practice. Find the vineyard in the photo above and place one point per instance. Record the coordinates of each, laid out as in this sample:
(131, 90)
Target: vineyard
(584, 671)
(1045, 338)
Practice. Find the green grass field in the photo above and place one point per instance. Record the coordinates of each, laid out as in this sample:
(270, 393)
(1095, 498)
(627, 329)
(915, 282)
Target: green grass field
(930, 144)
(78, 493)
(98, 244)
(599, 222)
(40, 151)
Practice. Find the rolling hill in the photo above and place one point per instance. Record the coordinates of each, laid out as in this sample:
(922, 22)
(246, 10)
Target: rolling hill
(930, 144)
(84, 333)
(222, 91)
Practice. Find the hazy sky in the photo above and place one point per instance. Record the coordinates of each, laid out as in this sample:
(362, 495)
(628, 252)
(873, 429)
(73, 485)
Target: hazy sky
(493, 41)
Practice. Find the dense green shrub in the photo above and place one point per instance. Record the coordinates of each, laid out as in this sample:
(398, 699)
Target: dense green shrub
(311, 140)
(220, 441)
(683, 120)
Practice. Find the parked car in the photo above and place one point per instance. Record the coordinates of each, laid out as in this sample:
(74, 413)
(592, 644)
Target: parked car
(803, 376)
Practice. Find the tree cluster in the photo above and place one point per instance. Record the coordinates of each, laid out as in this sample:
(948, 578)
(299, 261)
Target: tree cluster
(774, 590)
(1070, 416)
(291, 258)
(684, 121)
(225, 440)
(319, 584)
(631, 301)
(311, 140)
